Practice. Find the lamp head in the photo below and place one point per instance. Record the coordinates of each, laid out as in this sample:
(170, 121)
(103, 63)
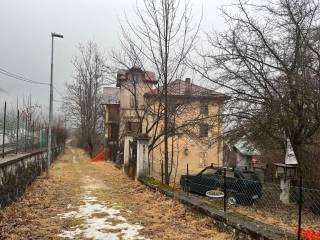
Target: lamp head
(56, 35)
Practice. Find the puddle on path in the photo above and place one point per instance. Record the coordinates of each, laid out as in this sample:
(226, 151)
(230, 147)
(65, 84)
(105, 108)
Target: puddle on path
(99, 221)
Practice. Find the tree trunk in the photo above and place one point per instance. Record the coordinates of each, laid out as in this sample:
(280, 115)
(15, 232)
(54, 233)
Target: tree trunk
(166, 55)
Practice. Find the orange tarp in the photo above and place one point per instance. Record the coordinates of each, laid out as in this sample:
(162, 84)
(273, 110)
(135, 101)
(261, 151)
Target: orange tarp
(309, 234)
(99, 157)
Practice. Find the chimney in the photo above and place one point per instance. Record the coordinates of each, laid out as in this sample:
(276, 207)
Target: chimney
(188, 86)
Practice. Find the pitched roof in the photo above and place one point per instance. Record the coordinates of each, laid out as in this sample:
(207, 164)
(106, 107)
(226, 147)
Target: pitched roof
(111, 95)
(187, 89)
(123, 75)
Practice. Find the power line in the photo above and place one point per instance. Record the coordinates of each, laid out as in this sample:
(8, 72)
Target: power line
(20, 77)
(61, 95)
(25, 79)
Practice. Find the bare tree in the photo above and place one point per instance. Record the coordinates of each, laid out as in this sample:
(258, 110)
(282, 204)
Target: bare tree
(82, 101)
(60, 130)
(268, 61)
(160, 39)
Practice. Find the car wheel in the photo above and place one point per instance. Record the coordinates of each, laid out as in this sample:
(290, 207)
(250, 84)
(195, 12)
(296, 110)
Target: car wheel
(231, 199)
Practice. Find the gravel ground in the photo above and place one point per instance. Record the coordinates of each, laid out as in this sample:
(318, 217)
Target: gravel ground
(97, 201)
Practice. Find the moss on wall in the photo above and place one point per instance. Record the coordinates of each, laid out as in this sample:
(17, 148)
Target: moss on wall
(17, 174)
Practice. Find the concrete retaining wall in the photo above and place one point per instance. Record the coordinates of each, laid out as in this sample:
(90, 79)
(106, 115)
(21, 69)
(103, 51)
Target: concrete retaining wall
(18, 172)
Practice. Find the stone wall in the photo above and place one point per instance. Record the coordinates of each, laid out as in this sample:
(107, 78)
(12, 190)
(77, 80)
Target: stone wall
(18, 172)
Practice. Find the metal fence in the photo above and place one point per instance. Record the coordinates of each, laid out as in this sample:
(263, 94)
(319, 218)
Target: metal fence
(22, 131)
(289, 206)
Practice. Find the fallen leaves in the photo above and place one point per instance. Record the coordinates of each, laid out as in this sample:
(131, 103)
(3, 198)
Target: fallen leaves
(35, 215)
(32, 215)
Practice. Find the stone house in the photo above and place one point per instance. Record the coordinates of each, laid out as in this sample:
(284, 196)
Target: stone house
(195, 122)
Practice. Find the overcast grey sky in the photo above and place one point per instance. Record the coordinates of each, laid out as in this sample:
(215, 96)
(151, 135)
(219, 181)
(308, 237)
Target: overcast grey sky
(25, 38)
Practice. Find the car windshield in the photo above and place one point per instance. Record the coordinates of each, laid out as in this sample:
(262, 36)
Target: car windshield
(250, 176)
(209, 171)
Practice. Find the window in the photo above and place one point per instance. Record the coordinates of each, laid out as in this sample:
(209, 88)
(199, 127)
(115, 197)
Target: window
(171, 127)
(113, 132)
(173, 108)
(136, 77)
(132, 127)
(133, 101)
(204, 130)
(204, 109)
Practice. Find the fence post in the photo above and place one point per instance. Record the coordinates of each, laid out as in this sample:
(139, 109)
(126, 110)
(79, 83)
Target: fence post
(187, 180)
(40, 136)
(25, 135)
(32, 147)
(17, 133)
(300, 208)
(4, 127)
(46, 136)
(224, 190)
(161, 171)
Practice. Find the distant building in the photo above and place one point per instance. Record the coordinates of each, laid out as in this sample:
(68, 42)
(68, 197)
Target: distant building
(195, 122)
(245, 152)
(112, 118)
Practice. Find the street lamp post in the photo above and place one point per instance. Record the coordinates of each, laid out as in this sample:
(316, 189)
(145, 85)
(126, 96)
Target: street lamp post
(53, 35)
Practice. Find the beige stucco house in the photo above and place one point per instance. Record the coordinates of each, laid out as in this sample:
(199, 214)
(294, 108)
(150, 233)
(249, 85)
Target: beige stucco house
(195, 122)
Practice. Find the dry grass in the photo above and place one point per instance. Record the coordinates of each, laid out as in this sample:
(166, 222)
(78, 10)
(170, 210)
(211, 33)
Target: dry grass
(34, 216)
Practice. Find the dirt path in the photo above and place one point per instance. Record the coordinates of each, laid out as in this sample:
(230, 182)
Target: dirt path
(97, 201)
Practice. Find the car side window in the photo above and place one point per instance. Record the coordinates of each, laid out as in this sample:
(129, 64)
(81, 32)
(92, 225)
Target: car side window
(230, 174)
(218, 172)
(237, 175)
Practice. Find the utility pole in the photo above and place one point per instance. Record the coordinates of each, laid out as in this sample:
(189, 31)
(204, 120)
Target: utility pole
(53, 35)
(65, 133)
(4, 128)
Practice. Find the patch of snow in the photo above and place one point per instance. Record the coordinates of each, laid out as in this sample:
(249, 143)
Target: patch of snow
(109, 225)
(71, 234)
(90, 199)
(68, 214)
